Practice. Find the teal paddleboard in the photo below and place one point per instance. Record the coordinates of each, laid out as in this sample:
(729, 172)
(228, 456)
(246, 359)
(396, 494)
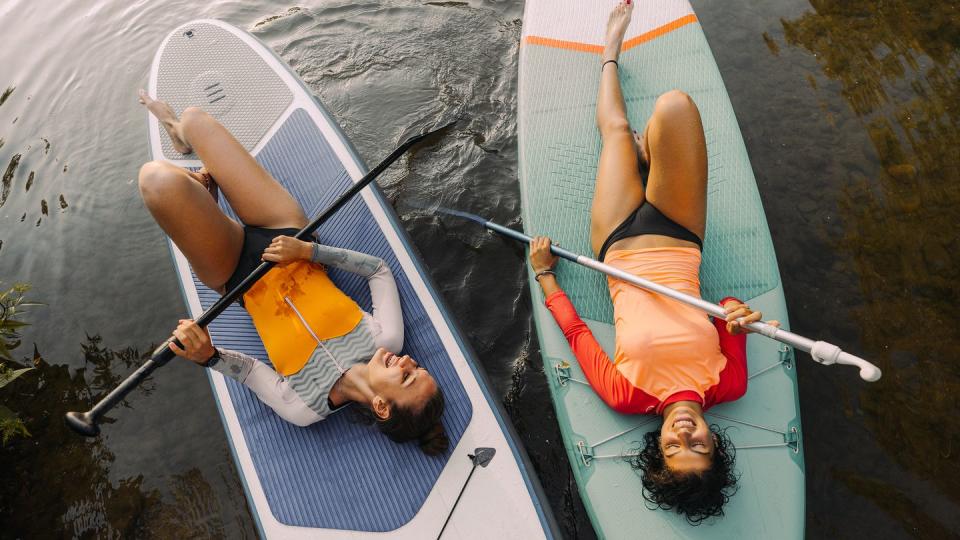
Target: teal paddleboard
(664, 49)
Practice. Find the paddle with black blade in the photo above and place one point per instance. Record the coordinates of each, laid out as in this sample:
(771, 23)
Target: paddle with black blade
(480, 458)
(87, 423)
(821, 351)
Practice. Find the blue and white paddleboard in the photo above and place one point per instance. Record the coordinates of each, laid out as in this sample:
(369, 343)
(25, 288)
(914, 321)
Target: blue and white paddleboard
(338, 479)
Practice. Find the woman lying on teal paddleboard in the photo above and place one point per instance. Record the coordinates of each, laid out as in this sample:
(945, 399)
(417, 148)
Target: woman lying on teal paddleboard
(325, 350)
(649, 219)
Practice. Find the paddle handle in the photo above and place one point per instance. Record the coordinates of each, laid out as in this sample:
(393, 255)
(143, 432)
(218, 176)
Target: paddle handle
(821, 351)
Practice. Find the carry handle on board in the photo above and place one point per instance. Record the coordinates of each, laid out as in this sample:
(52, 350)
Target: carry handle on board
(821, 351)
(87, 423)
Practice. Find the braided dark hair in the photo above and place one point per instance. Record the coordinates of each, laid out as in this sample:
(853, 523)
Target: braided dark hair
(695, 496)
(405, 424)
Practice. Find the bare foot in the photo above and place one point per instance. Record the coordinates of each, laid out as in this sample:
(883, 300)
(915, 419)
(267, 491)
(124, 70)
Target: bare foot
(616, 28)
(167, 119)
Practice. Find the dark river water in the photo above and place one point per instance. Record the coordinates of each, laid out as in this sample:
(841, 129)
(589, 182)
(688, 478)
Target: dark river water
(851, 114)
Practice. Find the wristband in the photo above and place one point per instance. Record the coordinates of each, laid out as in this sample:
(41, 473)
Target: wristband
(214, 358)
(542, 273)
(603, 65)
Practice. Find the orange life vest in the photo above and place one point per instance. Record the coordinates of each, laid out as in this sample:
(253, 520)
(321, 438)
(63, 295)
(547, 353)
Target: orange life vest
(294, 306)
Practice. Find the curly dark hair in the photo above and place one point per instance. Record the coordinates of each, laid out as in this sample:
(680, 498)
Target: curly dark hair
(406, 424)
(695, 496)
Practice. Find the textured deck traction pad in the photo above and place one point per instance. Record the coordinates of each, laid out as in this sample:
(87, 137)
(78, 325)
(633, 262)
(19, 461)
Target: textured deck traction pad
(207, 66)
(337, 474)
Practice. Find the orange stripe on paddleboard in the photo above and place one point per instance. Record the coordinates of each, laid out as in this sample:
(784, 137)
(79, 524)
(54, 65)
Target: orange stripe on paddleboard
(598, 49)
(657, 32)
(560, 44)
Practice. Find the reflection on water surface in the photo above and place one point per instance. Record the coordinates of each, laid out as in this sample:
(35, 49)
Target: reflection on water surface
(899, 70)
(896, 65)
(69, 477)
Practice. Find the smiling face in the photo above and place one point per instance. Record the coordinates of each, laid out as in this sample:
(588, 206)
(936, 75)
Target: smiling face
(398, 381)
(686, 440)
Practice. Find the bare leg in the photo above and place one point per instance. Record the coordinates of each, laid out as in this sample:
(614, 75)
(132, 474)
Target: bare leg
(257, 198)
(619, 187)
(672, 144)
(677, 185)
(185, 211)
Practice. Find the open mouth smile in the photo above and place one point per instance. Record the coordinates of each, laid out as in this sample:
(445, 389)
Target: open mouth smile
(390, 359)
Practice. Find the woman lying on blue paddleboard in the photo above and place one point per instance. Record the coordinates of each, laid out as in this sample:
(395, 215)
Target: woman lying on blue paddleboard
(325, 350)
(649, 218)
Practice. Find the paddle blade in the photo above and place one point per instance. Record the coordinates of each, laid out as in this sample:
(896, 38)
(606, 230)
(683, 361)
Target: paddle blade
(482, 456)
(82, 423)
(418, 131)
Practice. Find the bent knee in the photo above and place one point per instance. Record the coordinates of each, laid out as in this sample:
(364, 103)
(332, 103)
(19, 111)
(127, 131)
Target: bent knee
(191, 117)
(192, 113)
(152, 174)
(675, 102)
(157, 178)
(614, 126)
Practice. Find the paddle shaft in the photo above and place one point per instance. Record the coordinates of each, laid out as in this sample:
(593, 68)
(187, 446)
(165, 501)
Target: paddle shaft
(821, 351)
(85, 423)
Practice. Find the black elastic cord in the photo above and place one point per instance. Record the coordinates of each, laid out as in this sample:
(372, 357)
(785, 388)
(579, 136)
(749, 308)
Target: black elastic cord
(603, 65)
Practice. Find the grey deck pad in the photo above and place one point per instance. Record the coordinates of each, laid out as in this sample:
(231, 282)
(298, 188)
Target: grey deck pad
(337, 474)
(207, 66)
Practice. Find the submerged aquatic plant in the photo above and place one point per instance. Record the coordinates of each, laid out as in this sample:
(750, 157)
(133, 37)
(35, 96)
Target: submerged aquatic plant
(10, 423)
(11, 300)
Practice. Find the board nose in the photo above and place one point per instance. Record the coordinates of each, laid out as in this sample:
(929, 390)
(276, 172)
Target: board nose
(210, 89)
(208, 65)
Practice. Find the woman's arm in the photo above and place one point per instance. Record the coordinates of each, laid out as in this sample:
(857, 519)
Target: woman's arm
(286, 249)
(733, 344)
(733, 340)
(384, 297)
(385, 310)
(272, 389)
(733, 379)
(604, 377)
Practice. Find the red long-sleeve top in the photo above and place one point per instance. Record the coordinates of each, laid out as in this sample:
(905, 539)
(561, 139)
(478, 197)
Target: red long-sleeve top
(618, 392)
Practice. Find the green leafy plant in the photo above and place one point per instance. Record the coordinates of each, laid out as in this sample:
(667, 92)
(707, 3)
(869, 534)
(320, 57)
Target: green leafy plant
(12, 303)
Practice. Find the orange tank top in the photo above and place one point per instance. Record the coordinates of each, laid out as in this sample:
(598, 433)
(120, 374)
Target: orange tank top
(294, 306)
(662, 346)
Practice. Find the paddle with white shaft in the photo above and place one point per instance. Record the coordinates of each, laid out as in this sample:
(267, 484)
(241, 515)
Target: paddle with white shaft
(821, 351)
